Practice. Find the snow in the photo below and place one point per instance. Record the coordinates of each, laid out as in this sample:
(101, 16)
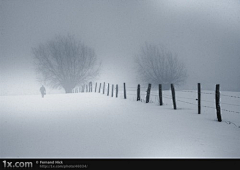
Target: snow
(93, 125)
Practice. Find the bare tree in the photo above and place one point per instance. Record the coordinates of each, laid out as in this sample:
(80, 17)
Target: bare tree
(65, 63)
(159, 66)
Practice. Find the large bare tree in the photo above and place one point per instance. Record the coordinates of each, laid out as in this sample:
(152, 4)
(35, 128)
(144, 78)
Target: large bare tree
(65, 63)
(160, 66)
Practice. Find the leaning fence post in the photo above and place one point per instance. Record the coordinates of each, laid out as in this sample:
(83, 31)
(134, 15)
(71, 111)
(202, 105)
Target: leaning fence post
(99, 88)
(91, 86)
(218, 108)
(108, 90)
(160, 94)
(199, 98)
(148, 93)
(138, 92)
(112, 90)
(173, 97)
(124, 89)
(103, 87)
(96, 87)
(116, 91)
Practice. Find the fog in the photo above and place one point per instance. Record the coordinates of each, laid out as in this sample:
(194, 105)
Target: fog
(204, 34)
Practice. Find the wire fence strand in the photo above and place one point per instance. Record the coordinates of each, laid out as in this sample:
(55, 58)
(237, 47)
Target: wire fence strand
(238, 97)
(166, 95)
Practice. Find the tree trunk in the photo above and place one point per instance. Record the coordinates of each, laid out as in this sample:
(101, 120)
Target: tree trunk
(166, 86)
(68, 89)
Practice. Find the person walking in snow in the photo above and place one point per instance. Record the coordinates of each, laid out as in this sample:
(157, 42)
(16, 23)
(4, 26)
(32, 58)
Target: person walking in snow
(43, 91)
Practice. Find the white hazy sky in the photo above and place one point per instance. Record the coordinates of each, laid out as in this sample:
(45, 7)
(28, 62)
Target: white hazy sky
(204, 34)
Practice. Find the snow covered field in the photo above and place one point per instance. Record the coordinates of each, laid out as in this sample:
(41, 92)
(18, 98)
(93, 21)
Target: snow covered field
(93, 125)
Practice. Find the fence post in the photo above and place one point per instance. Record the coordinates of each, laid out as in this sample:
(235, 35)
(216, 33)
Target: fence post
(103, 87)
(124, 90)
(138, 92)
(160, 94)
(116, 91)
(199, 98)
(148, 93)
(91, 86)
(99, 88)
(112, 89)
(173, 97)
(218, 108)
(108, 90)
(96, 87)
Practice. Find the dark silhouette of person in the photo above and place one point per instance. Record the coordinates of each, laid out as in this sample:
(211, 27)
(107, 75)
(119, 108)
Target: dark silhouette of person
(43, 91)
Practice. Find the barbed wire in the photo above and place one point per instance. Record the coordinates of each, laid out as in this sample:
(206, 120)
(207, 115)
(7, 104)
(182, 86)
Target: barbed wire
(169, 97)
(228, 122)
(205, 100)
(188, 91)
(231, 111)
(142, 99)
(230, 96)
(187, 102)
(207, 93)
(186, 98)
(229, 104)
(166, 96)
(208, 107)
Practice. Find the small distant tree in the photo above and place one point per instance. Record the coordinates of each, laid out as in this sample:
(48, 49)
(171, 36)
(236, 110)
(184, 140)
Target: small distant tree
(65, 63)
(159, 66)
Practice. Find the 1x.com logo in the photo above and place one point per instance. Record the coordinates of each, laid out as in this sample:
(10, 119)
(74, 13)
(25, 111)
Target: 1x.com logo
(8, 164)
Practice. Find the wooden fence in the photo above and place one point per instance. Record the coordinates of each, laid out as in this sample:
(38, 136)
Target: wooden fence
(138, 96)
